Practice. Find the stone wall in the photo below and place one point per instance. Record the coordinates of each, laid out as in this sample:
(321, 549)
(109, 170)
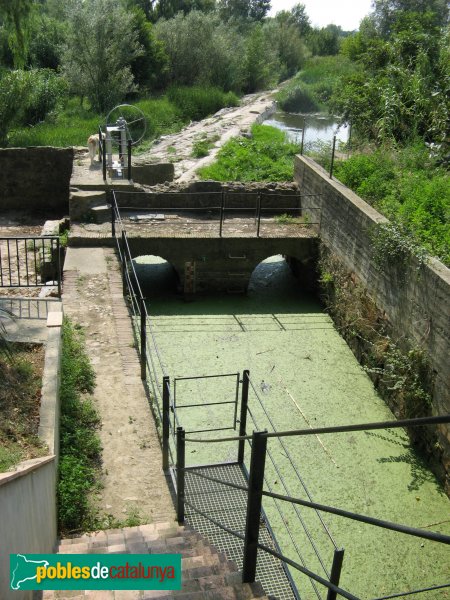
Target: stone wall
(35, 179)
(208, 194)
(417, 303)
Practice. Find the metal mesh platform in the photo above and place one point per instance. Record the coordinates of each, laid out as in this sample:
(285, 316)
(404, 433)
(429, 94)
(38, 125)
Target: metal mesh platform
(228, 506)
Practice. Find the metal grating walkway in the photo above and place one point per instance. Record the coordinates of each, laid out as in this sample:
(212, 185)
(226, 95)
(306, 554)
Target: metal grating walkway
(228, 506)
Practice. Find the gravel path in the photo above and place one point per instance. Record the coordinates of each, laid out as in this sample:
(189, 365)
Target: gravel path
(133, 480)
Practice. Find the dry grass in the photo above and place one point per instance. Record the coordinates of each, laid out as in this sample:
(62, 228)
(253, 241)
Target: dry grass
(20, 395)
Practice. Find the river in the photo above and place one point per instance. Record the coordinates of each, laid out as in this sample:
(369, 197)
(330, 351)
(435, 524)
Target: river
(305, 375)
(318, 127)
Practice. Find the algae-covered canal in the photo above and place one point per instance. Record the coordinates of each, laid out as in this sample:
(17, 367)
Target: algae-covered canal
(306, 375)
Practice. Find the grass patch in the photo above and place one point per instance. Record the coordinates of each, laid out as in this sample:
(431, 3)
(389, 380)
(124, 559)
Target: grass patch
(266, 156)
(408, 189)
(166, 114)
(311, 89)
(79, 467)
(20, 395)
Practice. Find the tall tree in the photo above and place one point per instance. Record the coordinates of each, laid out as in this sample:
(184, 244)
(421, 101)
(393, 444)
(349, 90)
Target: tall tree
(16, 14)
(392, 15)
(253, 10)
(301, 19)
(101, 43)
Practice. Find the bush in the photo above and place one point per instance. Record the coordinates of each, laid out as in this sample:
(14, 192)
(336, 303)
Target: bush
(48, 92)
(198, 102)
(79, 443)
(267, 156)
(27, 97)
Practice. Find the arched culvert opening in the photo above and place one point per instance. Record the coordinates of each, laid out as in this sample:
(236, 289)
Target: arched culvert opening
(274, 280)
(156, 275)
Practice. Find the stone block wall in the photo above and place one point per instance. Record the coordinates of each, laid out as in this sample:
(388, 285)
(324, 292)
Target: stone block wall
(417, 303)
(35, 179)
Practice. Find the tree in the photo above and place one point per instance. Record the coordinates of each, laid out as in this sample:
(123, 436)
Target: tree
(16, 14)
(252, 10)
(149, 68)
(301, 19)
(394, 15)
(325, 41)
(102, 42)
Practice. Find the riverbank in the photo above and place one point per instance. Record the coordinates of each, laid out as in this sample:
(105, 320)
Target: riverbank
(214, 131)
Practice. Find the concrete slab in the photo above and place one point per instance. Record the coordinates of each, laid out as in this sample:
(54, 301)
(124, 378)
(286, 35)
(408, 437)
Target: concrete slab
(54, 319)
(88, 261)
(31, 331)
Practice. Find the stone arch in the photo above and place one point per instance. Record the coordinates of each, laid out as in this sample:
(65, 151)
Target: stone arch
(155, 270)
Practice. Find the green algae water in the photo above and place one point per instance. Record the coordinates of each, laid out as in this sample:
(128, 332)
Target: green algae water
(303, 375)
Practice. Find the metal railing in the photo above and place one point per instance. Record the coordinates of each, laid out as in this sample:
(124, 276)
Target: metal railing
(255, 492)
(263, 212)
(30, 262)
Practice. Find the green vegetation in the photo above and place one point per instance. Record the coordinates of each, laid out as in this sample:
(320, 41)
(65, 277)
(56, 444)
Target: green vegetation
(265, 156)
(312, 88)
(79, 466)
(402, 376)
(406, 186)
(77, 122)
(20, 392)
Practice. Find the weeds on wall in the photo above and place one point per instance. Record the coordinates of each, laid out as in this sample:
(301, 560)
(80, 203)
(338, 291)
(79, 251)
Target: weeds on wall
(400, 372)
(392, 245)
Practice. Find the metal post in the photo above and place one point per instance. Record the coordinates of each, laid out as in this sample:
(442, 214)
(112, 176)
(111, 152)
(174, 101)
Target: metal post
(303, 136)
(129, 160)
(258, 210)
(243, 421)
(113, 218)
(336, 568)
(143, 339)
(104, 157)
(332, 157)
(166, 422)
(222, 206)
(180, 473)
(254, 502)
(124, 266)
(59, 274)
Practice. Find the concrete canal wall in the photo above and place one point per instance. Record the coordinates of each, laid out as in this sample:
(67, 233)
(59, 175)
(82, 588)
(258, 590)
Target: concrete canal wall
(416, 301)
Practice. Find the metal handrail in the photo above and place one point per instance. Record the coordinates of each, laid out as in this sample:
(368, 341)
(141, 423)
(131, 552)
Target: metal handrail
(288, 456)
(418, 422)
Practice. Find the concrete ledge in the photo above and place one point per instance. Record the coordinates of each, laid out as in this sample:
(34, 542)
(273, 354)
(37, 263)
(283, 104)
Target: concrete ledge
(51, 381)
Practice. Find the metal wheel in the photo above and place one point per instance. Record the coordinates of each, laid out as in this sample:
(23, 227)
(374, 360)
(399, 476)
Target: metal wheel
(136, 123)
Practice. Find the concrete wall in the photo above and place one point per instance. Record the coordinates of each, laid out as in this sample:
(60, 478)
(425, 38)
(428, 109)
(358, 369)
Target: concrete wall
(28, 511)
(417, 305)
(35, 179)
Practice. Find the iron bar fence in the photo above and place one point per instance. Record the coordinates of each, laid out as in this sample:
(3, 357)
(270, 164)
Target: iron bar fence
(30, 262)
(217, 207)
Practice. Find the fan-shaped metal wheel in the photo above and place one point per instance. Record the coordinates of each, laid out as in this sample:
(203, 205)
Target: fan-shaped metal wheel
(136, 123)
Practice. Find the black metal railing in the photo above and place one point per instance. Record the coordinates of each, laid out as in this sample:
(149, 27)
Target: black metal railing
(222, 209)
(255, 492)
(30, 262)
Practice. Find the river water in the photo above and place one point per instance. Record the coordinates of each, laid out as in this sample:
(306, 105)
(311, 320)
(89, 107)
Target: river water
(304, 375)
(318, 127)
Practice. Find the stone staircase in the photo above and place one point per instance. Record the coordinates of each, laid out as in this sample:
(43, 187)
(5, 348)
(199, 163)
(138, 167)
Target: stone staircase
(206, 574)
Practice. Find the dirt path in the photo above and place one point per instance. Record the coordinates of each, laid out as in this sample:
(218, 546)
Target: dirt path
(133, 478)
(218, 129)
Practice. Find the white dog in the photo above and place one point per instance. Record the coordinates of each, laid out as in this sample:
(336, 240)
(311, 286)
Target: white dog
(94, 143)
